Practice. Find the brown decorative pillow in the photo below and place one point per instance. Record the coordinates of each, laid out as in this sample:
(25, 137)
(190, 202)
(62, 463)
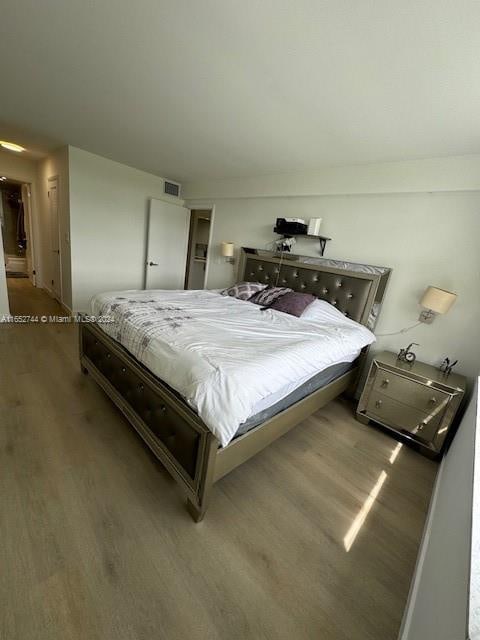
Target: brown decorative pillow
(244, 290)
(293, 303)
(266, 297)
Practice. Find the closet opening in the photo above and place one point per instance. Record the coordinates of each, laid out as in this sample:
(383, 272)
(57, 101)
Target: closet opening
(198, 248)
(16, 228)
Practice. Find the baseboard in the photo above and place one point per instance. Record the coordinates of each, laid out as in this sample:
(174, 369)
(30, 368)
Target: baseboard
(50, 292)
(417, 574)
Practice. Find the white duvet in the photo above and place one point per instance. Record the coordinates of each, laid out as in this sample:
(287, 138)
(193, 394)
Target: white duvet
(223, 355)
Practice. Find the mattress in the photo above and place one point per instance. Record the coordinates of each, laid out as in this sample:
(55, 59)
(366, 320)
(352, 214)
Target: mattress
(313, 384)
(227, 358)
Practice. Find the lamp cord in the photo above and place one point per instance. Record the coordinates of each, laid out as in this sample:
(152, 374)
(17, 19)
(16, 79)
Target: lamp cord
(397, 333)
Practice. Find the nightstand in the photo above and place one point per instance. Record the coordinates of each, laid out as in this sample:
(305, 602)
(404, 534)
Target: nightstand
(416, 400)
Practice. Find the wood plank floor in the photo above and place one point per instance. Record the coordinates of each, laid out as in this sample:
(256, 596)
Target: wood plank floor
(96, 543)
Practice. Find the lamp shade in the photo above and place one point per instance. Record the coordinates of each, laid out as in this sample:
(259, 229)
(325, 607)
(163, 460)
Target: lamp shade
(228, 249)
(437, 300)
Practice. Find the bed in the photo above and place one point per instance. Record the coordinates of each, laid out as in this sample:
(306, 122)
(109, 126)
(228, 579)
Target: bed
(208, 381)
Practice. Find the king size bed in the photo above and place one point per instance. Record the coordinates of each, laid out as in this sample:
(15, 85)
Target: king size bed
(209, 380)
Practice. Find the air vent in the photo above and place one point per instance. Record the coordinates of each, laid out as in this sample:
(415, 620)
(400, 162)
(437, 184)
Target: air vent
(172, 188)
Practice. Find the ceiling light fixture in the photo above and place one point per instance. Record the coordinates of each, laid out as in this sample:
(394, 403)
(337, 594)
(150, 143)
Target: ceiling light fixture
(11, 146)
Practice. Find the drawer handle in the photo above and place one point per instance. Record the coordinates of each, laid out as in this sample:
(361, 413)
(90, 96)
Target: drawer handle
(109, 355)
(433, 400)
(163, 408)
(123, 369)
(385, 382)
(378, 403)
(141, 387)
(422, 426)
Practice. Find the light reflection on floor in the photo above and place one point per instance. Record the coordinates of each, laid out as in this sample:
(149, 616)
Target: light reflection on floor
(360, 518)
(395, 453)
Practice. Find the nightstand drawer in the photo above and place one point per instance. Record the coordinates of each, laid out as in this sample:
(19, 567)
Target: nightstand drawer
(396, 414)
(415, 394)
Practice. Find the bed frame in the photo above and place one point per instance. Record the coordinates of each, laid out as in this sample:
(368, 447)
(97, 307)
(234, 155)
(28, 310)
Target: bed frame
(173, 431)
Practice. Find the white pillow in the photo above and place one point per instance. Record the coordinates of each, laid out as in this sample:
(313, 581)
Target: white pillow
(322, 311)
(325, 313)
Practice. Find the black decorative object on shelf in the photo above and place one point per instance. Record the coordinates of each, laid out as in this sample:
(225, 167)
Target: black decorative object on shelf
(406, 355)
(290, 228)
(447, 366)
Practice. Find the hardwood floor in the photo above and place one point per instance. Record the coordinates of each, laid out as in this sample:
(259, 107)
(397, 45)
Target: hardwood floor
(96, 543)
(25, 299)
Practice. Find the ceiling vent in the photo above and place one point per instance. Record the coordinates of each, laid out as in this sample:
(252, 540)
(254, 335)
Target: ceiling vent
(172, 188)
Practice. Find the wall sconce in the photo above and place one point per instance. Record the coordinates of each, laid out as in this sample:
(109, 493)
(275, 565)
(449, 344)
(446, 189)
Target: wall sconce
(435, 301)
(228, 251)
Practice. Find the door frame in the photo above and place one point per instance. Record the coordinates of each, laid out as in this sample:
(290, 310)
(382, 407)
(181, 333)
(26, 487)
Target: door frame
(50, 179)
(30, 234)
(207, 206)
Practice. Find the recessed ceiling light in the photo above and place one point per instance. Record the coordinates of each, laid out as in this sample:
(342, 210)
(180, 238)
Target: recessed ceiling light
(11, 146)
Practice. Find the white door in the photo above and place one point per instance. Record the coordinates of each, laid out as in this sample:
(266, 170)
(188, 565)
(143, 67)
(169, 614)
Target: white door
(168, 226)
(55, 283)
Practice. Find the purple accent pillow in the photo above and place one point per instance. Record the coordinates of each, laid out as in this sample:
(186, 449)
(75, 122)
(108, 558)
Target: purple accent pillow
(293, 303)
(244, 290)
(266, 297)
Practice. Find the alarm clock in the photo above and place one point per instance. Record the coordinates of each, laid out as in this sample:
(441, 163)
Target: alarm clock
(406, 355)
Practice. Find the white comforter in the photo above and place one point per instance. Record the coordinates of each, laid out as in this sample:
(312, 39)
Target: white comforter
(224, 355)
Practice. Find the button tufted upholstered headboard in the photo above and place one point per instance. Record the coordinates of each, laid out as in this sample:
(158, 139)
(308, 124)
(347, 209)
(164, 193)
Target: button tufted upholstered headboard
(356, 290)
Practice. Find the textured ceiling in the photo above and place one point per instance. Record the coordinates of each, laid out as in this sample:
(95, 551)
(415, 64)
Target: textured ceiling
(221, 88)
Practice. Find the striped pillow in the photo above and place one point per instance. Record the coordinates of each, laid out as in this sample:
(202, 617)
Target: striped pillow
(244, 290)
(268, 296)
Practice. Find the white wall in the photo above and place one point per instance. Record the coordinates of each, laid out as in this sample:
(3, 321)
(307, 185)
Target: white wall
(108, 218)
(20, 168)
(427, 238)
(55, 165)
(455, 173)
(438, 601)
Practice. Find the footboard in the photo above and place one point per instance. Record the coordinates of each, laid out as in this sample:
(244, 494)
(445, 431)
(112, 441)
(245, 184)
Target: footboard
(175, 434)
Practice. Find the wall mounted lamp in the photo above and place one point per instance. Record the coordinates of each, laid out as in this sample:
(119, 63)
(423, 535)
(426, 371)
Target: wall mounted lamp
(228, 252)
(435, 301)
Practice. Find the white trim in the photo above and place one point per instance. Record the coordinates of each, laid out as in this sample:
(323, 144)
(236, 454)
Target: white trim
(50, 179)
(474, 583)
(415, 585)
(210, 244)
(31, 239)
(207, 206)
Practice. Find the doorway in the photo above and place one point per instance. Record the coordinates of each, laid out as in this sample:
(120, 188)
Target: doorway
(16, 227)
(198, 245)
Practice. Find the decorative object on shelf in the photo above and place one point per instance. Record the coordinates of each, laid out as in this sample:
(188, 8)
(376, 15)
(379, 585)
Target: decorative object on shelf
(289, 227)
(406, 355)
(314, 225)
(447, 366)
(285, 244)
(418, 403)
(228, 252)
(435, 301)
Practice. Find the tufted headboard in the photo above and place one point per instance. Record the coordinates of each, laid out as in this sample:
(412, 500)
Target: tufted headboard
(357, 290)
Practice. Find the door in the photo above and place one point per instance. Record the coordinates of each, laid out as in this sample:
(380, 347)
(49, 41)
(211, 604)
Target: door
(55, 282)
(27, 212)
(168, 226)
